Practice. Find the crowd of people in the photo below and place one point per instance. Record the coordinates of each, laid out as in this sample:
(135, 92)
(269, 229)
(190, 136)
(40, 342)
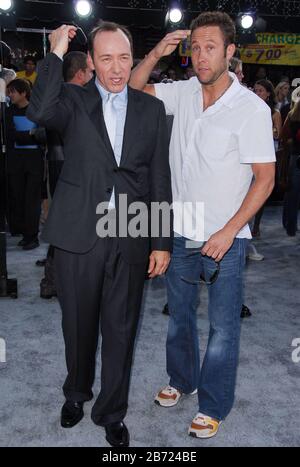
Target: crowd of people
(94, 138)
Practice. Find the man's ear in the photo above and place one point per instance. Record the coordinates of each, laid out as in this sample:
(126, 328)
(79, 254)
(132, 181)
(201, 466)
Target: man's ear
(230, 51)
(90, 62)
(80, 76)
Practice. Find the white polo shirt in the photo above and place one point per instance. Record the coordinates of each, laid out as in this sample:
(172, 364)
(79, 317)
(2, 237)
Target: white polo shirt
(211, 153)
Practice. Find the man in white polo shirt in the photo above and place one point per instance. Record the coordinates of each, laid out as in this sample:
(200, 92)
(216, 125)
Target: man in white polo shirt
(221, 138)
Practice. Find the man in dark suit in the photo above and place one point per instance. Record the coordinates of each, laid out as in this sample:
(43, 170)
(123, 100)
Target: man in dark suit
(111, 149)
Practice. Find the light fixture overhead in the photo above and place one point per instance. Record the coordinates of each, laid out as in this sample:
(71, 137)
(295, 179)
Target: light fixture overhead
(247, 21)
(175, 15)
(6, 5)
(83, 8)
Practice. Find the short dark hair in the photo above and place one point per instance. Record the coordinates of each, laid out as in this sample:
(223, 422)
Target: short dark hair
(108, 26)
(20, 85)
(73, 62)
(216, 18)
(29, 58)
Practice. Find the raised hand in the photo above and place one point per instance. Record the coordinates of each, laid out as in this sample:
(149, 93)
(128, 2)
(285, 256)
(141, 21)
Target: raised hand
(169, 43)
(60, 38)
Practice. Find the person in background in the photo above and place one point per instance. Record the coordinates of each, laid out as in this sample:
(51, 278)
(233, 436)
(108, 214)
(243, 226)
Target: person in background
(261, 73)
(236, 67)
(281, 94)
(24, 166)
(189, 72)
(7, 74)
(29, 71)
(265, 90)
(172, 74)
(291, 132)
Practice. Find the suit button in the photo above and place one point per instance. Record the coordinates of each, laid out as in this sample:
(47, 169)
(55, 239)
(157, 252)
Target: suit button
(109, 191)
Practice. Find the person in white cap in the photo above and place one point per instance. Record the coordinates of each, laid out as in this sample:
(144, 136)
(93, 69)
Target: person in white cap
(291, 131)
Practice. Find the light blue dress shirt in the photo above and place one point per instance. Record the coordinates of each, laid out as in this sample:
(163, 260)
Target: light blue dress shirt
(120, 105)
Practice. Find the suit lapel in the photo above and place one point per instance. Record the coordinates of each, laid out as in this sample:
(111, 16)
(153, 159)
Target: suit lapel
(94, 109)
(132, 130)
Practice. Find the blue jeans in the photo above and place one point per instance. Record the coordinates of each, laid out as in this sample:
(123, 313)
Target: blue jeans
(216, 379)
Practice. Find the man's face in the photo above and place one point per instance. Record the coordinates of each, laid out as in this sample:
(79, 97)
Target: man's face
(112, 60)
(208, 53)
(30, 66)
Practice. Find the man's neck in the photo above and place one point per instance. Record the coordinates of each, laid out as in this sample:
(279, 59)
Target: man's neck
(213, 92)
(28, 73)
(76, 81)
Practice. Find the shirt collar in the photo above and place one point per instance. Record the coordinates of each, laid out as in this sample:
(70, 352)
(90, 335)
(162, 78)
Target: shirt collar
(228, 96)
(104, 93)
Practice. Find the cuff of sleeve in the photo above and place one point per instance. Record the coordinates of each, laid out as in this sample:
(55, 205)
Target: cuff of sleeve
(58, 55)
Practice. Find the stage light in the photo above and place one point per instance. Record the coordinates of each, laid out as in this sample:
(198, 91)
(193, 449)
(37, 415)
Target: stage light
(175, 15)
(83, 8)
(6, 5)
(247, 21)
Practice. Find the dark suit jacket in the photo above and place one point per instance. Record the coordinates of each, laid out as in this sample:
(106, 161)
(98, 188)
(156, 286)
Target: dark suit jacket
(90, 170)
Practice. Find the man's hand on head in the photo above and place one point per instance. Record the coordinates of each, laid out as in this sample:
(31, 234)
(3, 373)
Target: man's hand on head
(60, 38)
(169, 43)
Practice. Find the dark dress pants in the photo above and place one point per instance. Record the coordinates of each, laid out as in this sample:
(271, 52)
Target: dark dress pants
(25, 175)
(92, 287)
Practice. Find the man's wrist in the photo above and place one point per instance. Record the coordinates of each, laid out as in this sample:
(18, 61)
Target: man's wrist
(232, 230)
(152, 58)
(58, 52)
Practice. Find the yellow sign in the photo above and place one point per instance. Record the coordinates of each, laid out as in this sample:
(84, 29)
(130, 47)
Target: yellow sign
(271, 49)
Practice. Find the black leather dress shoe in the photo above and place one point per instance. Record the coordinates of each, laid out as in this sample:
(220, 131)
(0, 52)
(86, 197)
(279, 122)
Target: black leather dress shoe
(31, 245)
(47, 289)
(117, 435)
(71, 414)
